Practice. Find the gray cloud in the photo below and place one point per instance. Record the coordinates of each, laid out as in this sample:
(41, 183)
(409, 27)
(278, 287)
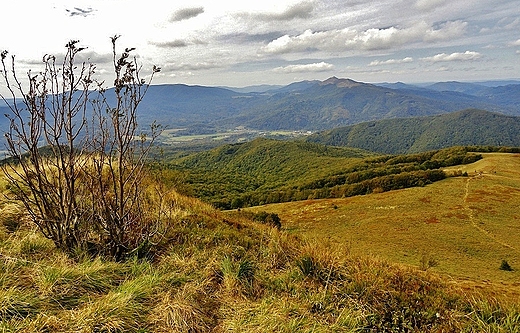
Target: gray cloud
(246, 38)
(96, 58)
(177, 43)
(186, 14)
(170, 44)
(85, 56)
(301, 10)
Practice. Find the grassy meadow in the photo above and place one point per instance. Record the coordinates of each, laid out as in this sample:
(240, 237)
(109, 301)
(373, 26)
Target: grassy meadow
(462, 227)
(343, 265)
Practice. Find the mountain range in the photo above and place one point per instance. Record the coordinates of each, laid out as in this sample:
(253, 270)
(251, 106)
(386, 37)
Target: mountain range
(313, 105)
(318, 105)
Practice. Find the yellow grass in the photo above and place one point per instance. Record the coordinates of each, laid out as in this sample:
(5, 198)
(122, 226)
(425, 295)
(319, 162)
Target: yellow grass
(222, 272)
(465, 226)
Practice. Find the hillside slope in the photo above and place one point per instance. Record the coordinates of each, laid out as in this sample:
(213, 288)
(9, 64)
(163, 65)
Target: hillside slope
(463, 226)
(230, 171)
(410, 135)
(222, 272)
(267, 171)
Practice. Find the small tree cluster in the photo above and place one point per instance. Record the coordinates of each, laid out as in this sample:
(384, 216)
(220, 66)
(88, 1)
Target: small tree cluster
(271, 219)
(505, 266)
(76, 153)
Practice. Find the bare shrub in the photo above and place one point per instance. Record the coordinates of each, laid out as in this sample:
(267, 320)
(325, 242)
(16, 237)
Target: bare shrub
(76, 154)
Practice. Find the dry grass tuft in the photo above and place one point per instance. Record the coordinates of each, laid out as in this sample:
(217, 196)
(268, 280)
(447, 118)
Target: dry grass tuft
(185, 310)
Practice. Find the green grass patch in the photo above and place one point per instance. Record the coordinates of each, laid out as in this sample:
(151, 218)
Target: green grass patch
(222, 271)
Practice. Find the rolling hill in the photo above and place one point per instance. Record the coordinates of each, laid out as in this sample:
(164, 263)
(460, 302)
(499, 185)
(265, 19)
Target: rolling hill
(465, 226)
(267, 171)
(410, 135)
(259, 166)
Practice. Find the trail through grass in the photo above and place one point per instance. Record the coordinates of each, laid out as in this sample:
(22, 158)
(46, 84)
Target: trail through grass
(474, 220)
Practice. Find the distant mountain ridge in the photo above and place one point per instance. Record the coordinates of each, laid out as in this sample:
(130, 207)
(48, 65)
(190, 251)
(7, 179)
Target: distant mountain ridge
(339, 102)
(313, 105)
(410, 135)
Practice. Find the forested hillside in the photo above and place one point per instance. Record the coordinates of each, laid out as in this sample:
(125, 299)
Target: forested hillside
(268, 171)
(411, 135)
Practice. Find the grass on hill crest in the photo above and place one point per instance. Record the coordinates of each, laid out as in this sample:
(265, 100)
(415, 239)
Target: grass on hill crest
(222, 272)
(463, 227)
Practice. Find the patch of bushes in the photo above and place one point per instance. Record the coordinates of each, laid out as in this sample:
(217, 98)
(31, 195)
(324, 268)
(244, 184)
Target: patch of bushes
(504, 266)
(271, 219)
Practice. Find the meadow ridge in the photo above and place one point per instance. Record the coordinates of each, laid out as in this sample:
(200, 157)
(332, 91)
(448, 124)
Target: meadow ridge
(464, 226)
(362, 264)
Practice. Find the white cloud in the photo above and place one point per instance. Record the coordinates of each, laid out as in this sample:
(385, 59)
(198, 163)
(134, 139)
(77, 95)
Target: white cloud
(370, 39)
(391, 61)
(316, 67)
(457, 56)
(446, 31)
(515, 43)
(240, 42)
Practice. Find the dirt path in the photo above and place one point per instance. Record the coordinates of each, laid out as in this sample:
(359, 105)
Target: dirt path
(474, 221)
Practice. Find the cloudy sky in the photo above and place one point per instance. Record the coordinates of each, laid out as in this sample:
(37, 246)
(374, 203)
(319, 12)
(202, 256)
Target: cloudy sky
(241, 43)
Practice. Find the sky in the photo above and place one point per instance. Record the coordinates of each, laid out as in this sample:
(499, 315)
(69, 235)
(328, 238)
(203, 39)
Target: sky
(243, 43)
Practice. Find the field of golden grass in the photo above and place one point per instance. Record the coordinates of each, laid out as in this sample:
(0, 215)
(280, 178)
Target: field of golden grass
(222, 272)
(463, 227)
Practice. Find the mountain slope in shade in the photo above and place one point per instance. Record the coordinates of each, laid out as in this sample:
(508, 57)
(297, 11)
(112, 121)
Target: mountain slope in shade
(410, 135)
(339, 102)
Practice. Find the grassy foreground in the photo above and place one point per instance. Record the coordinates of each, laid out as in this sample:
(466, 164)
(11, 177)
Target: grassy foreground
(221, 272)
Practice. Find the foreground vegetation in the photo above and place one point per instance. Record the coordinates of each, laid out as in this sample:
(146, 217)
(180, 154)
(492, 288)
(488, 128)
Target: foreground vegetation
(224, 272)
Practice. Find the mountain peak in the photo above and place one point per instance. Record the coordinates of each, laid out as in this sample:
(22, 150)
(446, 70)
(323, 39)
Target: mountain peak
(341, 83)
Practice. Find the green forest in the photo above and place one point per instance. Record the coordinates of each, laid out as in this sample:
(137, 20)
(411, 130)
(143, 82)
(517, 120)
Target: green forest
(269, 171)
